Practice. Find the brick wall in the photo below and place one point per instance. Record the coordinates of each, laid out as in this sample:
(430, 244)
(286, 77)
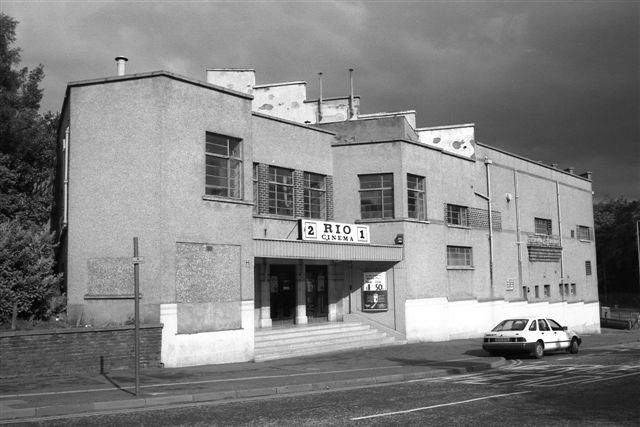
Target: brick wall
(57, 351)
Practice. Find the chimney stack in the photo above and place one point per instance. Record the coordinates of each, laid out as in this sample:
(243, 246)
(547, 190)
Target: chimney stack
(320, 98)
(570, 169)
(586, 175)
(351, 108)
(121, 61)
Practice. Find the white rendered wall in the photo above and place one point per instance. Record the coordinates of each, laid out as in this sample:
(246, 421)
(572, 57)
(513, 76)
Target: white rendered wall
(437, 319)
(206, 347)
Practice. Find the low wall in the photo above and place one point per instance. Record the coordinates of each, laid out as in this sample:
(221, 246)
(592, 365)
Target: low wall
(58, 351)
(438, 319)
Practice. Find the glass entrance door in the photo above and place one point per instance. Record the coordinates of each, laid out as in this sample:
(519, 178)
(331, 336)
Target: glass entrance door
(316, 287)
(283, 291)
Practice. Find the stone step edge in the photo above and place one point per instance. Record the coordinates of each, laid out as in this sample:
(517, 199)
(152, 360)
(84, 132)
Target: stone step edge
(310, 351)
(306, 329)
(318, 337)
(106, 407)
(324, 346)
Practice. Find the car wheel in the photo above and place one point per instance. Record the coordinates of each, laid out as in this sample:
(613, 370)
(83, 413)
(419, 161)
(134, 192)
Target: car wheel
(538, 352)
(573, 347)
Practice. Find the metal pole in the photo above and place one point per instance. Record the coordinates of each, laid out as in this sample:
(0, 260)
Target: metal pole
(638, 242)
(136, 299)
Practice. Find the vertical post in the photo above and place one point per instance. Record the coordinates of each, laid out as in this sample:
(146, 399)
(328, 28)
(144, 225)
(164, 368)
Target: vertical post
(136, 299)
(320, 98)
(351, 106)
(301, 294)
(638, 243)
(487, 163)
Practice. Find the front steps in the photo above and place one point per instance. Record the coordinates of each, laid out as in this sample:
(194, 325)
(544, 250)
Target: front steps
(316, 338)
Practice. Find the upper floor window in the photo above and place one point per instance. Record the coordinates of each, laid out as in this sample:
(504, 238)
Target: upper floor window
(542, 226)
(281, 194)
(457, 215)
(416, 197)
(584, 233)
(315, 195)
(256, 188)
(587, 268)
(223, 166)
(459, 256)
(376, 196)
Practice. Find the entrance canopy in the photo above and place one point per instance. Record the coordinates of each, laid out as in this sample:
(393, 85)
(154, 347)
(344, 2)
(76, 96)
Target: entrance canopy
(300, 249)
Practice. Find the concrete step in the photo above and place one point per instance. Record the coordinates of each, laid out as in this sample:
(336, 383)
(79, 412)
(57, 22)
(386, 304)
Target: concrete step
(332, 348)
(316, 339)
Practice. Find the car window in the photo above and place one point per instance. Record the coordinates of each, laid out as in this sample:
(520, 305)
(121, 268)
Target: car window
(511, 325)
(542, 325)
(555, 326)
(532, 327)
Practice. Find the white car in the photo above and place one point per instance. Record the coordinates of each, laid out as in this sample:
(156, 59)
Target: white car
(533, 335)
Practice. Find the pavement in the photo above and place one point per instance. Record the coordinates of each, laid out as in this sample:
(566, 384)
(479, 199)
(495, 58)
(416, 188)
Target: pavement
(25, 398)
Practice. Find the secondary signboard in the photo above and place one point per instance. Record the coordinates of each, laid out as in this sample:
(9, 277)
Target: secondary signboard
(335, 232)
(374, 291)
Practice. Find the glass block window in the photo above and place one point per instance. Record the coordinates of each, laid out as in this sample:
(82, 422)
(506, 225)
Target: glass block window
(315, 196)
(587, 268)
(281, 194)
(416, 197)
(459, 256)
(223, 175)
(542, 226)
(376, 196)
(457, 215)
(256, 189)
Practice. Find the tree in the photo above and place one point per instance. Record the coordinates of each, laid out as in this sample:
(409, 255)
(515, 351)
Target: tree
(615, 230)
(27, 160)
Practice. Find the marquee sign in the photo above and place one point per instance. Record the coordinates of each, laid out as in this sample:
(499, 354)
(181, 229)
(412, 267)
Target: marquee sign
(336, 232)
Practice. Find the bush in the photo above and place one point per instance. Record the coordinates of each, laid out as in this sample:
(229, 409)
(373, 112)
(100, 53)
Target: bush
(27, 280)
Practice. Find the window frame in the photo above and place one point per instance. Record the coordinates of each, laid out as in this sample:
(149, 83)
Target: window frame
(307, 194)
(548, 226)
(462, 215)
(453, 254)
(380, 189)
(420, 197)
(580, 229)
(229, 159)
(286, 188)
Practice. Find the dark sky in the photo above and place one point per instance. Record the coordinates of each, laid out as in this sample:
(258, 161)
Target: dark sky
(552, 81)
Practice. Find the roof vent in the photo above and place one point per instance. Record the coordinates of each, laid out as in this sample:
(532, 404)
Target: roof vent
(121, 61)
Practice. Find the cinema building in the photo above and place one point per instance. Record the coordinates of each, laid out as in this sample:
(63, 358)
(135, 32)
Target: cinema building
(261, 213)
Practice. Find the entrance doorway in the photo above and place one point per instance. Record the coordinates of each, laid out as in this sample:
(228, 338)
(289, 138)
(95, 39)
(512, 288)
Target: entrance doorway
(316, 287)
(283, 291)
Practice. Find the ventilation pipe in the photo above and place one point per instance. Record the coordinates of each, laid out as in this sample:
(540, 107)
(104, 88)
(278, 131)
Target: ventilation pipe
(65, 201)
(320, 98)
(121, 62)
(351, 112)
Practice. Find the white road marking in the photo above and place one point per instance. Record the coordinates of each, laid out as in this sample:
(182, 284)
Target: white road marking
(424, 408)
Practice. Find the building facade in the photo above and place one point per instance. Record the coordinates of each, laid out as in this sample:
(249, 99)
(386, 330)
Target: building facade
(256, 208)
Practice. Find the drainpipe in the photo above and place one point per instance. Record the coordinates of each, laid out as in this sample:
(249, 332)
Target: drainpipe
(487, 163)
(518, 242)
(560, 232)
(65, 147)
(351, 113)
(320, 98)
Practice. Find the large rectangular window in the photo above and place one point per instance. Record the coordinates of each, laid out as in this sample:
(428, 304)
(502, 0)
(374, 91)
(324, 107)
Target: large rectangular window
(584, 233)
(376, 196)
(459, 256)
(315, 196)
(281, 194)
(457, 215)
(223, 166)
(587, 268)
(542, 226)
(416, 197)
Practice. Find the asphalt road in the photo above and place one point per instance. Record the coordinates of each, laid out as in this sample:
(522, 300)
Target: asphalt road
(594, 387)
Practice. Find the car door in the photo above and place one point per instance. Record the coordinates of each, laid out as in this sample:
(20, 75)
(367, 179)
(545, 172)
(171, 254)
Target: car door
(545, 332)
(559, 335)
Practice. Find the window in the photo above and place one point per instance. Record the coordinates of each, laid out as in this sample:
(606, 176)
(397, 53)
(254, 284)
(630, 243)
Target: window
(587, 268)
(457, 215)
(256, 189)
(533, 327)
(314, 196)
(280, 191)
(542, 325)
(555, 326)
(573, 289)
(537, 291)
(584, 233)
(376, 196)
(547, 290)
(543, 226)
(566, 289)
(560, 289)
(416, 197)
(224, 166)
(459, 256)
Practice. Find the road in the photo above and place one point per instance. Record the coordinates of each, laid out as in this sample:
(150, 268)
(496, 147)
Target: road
(599, 386)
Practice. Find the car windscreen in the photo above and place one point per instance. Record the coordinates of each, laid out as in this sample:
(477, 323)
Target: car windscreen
(511, 325)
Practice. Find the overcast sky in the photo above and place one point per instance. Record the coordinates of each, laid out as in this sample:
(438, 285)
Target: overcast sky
(551, 81)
